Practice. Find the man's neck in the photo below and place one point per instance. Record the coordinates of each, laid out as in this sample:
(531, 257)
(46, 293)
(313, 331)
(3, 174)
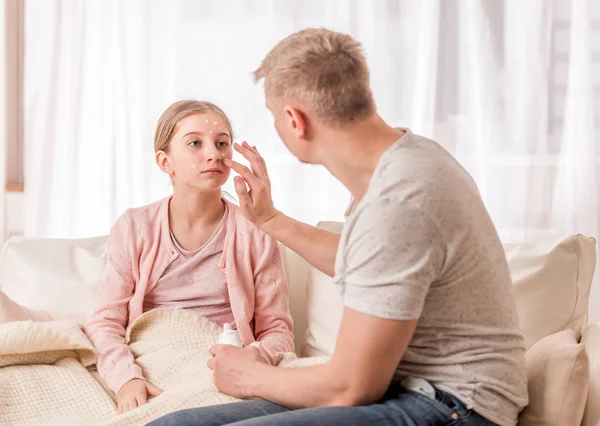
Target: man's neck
(351, 153)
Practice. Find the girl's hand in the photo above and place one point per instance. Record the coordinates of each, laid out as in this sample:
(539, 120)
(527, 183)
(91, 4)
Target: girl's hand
(135, 393)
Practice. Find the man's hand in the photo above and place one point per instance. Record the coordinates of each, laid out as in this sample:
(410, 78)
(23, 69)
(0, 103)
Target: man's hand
(135, 393)
(235, 370)
(256, 203)
(317, 246)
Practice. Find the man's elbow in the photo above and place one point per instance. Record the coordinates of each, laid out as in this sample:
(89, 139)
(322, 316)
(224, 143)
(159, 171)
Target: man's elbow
(355, 396)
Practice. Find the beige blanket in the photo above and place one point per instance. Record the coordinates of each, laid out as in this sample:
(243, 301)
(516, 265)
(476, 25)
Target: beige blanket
(47, 375)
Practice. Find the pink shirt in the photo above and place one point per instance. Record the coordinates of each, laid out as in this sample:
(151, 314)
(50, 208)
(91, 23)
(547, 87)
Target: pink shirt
(194, 281)
(140, 250)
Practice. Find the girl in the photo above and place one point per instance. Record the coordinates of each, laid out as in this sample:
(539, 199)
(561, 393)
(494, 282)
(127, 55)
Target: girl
(192, 250)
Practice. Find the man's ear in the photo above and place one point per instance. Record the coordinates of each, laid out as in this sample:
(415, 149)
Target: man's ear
(297, 121)
(163, 162)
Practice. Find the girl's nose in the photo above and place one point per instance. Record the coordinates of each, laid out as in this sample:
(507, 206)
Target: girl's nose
(212, 153)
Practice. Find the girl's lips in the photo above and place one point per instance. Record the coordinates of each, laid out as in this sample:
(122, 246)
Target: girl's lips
(213, 172)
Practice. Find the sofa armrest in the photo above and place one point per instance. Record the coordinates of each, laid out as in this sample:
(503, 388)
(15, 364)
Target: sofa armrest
(591, 341)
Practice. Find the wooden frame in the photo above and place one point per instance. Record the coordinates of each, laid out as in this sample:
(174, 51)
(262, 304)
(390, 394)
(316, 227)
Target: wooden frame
(14, 35)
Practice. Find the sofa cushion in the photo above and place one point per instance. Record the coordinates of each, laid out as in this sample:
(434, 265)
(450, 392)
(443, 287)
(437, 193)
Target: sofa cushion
(56, 276)
(297, 270)
(591, 341)
(324, 306)
(558, 379)
(551, 280)
(11, 311)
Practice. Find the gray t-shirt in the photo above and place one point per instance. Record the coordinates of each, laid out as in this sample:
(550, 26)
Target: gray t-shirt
(421, 245)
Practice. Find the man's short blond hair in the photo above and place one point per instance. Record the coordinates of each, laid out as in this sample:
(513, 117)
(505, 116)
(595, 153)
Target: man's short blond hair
(323, 70)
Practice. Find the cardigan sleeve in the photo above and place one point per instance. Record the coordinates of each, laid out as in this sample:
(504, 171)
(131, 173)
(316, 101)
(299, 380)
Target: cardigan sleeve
(106, 326)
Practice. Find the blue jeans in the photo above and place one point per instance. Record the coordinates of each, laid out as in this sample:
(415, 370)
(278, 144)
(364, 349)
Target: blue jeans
(397, 407)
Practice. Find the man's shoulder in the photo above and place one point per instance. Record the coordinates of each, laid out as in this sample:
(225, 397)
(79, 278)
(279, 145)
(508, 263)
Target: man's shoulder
(420, 173)
(418, 162)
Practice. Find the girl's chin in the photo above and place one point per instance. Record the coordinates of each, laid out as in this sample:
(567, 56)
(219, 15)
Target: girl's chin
(209, 185)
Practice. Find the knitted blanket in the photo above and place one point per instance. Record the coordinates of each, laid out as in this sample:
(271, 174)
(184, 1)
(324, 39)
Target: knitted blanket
(47, 374)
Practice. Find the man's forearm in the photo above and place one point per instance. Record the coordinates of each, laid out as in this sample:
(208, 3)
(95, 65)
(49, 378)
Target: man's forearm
(298, 388)
(317, 246)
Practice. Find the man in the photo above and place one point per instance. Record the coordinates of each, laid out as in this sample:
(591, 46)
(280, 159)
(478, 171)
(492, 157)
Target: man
(429, 334)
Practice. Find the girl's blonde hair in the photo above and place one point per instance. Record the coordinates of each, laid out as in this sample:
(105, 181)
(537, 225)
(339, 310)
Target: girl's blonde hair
(167, 124)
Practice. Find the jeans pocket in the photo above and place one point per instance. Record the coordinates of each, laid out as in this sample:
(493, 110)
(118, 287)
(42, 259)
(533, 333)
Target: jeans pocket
(450, 414)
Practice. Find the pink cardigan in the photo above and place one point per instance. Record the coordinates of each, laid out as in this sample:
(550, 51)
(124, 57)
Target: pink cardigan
(140, 249)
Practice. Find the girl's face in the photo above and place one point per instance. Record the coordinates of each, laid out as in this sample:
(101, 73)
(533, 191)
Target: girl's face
(196, 152)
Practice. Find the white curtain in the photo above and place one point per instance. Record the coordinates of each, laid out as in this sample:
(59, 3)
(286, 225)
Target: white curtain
(509, 87)
(97, 74)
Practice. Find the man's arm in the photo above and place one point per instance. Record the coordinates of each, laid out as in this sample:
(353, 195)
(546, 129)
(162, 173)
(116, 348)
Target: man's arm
(393, 255)
(366, 356)
(317, 246)
(387, 274)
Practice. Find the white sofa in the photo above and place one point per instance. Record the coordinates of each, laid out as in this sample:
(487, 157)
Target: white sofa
(551, 280)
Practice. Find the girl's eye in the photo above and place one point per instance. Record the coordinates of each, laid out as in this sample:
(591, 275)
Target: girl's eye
(194, 143)
(223, 144)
